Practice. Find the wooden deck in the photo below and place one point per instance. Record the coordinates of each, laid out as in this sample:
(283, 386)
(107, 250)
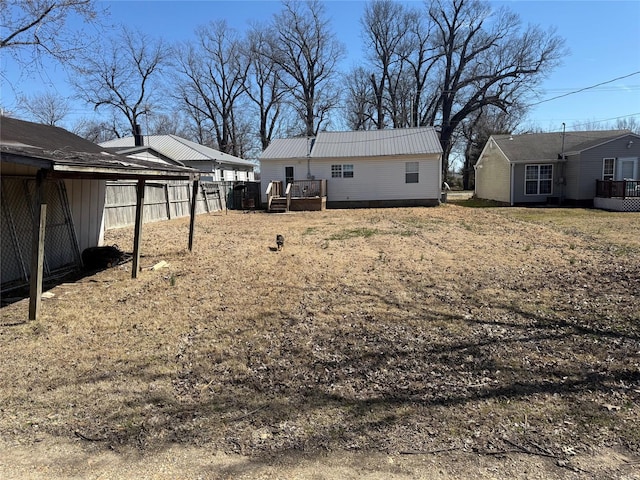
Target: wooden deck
(617, 188)
(300, 195)
(618, 196)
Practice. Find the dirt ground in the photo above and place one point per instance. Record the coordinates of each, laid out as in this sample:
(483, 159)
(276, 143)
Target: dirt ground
(440, 343)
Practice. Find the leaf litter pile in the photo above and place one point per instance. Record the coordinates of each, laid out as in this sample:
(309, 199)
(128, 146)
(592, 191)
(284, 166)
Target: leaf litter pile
(406, 331)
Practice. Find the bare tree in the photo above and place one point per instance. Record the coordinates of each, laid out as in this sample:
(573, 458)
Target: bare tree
(476, 130)
(97, 131)
(360, 107)
(123, 75)
(386, 30)
(47, 108)
(401, 56)
(624, 123)
(486, 61)
(422, 56)
(167, 124)
(628, 123)
(266, 88)
(308, 52)
(198, 125)
(42, 27)
(213, 78)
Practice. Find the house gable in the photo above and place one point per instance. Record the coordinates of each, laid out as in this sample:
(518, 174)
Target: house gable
(493, 173)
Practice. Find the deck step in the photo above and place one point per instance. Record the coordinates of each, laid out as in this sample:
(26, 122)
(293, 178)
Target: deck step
(278, 204)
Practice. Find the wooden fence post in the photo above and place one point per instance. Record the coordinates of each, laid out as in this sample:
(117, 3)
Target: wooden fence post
(37, 248)
(192, 223)
(137, 236)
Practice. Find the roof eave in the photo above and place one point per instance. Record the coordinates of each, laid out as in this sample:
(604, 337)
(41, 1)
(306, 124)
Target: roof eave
(538, 160)
(58, 170)
(124, 173)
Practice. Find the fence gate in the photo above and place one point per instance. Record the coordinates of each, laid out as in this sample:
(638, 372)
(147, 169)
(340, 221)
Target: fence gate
(61, 251)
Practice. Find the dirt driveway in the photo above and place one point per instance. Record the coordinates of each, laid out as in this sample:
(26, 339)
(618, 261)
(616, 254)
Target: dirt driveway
(57, 459)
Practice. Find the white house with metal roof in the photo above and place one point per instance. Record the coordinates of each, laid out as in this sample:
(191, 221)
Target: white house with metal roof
(212, 164)
(577, 167)
(399, 167)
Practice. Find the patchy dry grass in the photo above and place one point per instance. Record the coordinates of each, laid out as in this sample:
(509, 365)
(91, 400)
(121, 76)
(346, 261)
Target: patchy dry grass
(396, 330)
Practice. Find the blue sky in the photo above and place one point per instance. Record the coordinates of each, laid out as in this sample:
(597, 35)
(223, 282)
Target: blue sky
(603, 38)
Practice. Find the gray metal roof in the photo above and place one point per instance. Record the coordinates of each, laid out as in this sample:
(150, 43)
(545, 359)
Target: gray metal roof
(280, 148)
(377, 143)
(361, 143)
(179, 149)
(549, 146)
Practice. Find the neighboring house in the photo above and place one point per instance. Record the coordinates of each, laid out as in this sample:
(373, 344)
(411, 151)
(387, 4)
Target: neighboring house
(41, 164)
(400, 167)
(553, 168)
(213, 165)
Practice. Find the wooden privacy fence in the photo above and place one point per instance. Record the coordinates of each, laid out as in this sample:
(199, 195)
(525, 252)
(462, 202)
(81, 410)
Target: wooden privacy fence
(162, 201)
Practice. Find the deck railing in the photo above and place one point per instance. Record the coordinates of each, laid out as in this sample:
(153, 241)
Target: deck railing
(273, 190)
(308, 188)
(288, 195)
(617, 188)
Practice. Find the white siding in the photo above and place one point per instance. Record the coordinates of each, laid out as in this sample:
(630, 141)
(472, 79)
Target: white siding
(380, 179)
(273, 171)
(86, 201)
(373, 179)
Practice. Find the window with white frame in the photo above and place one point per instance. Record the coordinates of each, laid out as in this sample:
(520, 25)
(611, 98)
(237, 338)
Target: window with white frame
(411, 172)
(538, 179)
(342, 171)
(608, 166)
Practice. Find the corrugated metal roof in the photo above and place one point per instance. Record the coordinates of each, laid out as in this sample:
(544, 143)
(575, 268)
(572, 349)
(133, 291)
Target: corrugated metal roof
(369, 143)
(179, 149)
(548, 146)
(377, 143)
(279, 148)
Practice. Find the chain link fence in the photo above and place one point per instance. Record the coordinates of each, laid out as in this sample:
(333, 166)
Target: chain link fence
(61, 248)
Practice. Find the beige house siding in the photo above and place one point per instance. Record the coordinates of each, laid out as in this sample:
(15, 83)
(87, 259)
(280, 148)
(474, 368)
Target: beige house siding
(493, 176)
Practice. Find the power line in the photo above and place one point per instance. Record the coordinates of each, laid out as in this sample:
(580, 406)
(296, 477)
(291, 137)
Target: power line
(606, 119)
(583, 89)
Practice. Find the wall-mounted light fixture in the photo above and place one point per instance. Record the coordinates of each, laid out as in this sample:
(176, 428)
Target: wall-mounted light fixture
(630, 143)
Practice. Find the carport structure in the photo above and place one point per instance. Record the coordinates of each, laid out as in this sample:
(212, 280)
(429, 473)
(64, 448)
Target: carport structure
(43, 153)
